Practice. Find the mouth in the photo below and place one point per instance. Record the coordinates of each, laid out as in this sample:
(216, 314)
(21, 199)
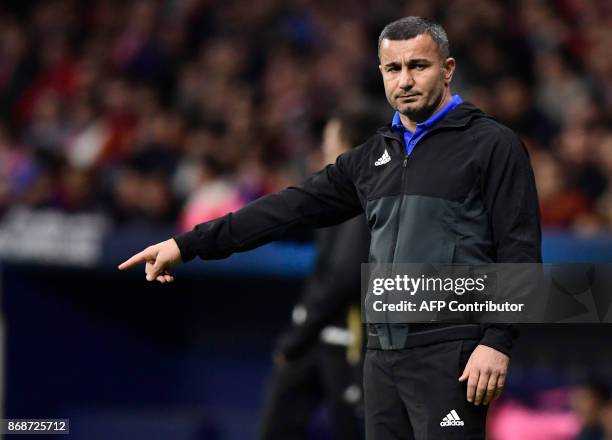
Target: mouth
(411, 96)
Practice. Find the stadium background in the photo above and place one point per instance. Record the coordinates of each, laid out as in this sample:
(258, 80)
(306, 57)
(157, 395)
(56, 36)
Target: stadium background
(122, 122)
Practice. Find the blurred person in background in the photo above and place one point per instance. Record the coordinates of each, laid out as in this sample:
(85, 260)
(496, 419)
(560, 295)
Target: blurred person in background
(577, 149)
(515, 107)
(588, 402)
(318, 359)
(560, 204)
(605, 417)
(215, 195)
(604, 204)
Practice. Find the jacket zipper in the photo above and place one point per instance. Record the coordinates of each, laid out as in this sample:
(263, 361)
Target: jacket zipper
(396, 235)
(399, 210)
(403, 184)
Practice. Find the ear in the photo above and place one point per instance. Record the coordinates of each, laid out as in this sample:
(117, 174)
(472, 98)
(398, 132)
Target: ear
(380, 68)
(449, 69)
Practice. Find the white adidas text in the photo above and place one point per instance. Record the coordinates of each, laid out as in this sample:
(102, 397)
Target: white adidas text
(452, 419)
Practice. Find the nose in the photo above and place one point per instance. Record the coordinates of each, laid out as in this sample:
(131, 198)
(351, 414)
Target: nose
(406, 80)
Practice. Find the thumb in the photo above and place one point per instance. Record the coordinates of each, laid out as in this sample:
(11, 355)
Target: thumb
(150, 271)
(466, 374)
(152, 267)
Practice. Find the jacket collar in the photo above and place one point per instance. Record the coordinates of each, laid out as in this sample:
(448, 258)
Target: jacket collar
(459, 117)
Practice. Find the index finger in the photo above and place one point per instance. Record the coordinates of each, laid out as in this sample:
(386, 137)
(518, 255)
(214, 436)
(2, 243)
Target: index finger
(139, 258)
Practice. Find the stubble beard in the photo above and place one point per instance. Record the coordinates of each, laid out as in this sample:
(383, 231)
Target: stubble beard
(423, 111)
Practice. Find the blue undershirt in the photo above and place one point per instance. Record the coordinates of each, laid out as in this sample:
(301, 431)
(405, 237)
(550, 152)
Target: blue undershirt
(410, 138)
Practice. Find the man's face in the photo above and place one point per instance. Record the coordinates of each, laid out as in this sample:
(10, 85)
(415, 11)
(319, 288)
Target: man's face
(414, 75)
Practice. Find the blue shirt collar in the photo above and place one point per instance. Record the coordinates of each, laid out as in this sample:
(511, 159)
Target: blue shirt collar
(397, 125)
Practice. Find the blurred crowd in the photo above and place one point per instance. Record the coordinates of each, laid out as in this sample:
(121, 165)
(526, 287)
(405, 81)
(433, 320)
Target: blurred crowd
(172, 112)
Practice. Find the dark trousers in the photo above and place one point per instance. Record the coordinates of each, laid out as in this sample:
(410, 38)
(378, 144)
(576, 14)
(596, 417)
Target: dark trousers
(410, 392)
(296, 391)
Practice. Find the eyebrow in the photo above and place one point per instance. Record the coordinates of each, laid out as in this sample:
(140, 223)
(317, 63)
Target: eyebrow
(412, 61)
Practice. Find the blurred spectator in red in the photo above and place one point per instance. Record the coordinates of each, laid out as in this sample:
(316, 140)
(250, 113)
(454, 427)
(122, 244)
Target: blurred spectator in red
(560, 204)
(215, 195)
(604, 205)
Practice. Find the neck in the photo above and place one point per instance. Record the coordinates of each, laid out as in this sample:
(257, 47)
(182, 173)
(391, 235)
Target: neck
(410, 122)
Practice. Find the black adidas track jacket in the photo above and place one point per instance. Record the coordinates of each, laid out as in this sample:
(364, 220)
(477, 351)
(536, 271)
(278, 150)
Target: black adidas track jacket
(466, 194)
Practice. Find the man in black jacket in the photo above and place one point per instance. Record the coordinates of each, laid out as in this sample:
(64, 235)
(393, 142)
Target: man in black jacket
(443, 183)
(318, 359)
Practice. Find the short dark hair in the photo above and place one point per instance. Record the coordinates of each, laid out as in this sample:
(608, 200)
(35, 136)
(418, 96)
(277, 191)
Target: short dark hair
(409, 27)
(357, 124)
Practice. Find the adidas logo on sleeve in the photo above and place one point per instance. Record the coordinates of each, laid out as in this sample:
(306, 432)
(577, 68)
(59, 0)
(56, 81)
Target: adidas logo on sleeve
(452, 419)
(385, 158)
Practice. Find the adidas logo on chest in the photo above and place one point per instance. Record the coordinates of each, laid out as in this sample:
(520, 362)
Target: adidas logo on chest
(385, 158)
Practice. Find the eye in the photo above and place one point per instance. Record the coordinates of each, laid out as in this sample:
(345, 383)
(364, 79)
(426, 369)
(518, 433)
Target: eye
(420, 67)
(392, 69)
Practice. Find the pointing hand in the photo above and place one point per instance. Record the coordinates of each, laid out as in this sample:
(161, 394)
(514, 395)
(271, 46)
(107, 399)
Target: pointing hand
(158, 258)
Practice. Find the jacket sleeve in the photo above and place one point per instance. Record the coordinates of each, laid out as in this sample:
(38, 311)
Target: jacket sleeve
(333, 291)
(324, 199)
(511, 200)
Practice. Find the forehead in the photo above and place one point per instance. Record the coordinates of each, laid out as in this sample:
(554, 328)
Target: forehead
(421, 47)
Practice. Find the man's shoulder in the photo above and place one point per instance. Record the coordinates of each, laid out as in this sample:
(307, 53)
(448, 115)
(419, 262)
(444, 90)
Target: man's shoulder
(479, 124)
(493, 132)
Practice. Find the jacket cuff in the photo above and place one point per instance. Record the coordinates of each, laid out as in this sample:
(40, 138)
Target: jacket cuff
(499, 338)
(186, 243)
